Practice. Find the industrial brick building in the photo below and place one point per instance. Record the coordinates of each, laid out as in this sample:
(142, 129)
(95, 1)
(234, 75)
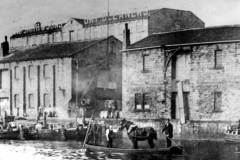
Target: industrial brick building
(61, 77)
(141, 25)
(190, 76)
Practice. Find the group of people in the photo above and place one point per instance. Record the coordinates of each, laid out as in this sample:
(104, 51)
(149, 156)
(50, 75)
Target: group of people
(167, 129)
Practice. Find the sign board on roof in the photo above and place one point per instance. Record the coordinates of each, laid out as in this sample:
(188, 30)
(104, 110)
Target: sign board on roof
(116, 18)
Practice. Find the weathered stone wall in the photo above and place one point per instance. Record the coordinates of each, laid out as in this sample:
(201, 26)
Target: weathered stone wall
(200, 79)
(135, 80)
(205, 79)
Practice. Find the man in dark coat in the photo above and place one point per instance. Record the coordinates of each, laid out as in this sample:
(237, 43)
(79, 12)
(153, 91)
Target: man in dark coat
(109, 136)
(168, 129)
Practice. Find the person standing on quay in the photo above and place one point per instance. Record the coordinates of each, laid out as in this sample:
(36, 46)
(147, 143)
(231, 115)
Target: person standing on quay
(168, 129)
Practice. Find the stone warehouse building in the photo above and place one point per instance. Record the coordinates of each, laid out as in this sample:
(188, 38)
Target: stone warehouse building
(191, 76)
(141, 25)
(61, 77)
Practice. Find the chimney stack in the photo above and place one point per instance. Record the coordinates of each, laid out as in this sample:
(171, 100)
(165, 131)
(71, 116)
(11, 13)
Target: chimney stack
(126, 37)
(5, 47)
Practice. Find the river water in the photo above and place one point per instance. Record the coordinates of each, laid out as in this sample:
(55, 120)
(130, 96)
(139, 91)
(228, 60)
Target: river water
(71, 150)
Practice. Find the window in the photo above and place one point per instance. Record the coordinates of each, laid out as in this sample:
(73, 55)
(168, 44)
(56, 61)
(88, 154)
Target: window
(217, 102)
(16, 72)
(4, 78)
(146, 63)
(218, 59)
(16, 101)
(46, 100)
(46, 71)
(30, 101)
(71, 35)
(30, 72)
(142, 101)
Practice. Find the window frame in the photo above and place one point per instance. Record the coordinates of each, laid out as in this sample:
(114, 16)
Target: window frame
(31, 105)
(143, 102)
(216, 61)
(144, 69)
(215, 107)
(30, 76)
(16, 70)
(45, 70)
(16, 104)
(44, 99)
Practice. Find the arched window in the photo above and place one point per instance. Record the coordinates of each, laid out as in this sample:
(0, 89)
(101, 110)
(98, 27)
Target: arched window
(30, 101)
(46, 99)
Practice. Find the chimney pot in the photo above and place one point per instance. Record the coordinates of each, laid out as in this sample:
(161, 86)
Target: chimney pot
(5, 47)
(126, 37)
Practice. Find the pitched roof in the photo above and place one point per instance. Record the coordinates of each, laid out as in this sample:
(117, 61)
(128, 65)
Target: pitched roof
(196, 36)
(50, 51)
(81, 21)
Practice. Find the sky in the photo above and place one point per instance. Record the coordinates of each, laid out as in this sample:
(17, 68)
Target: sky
(18, 14)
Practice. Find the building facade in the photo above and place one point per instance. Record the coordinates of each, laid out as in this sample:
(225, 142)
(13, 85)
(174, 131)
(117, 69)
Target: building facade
(141, 25)
(58, 78)
(188, 76)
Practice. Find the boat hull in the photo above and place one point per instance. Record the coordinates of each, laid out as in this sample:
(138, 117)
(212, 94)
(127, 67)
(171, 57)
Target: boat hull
(10, 135)
(73, 134)
(234, 138)
(169, 150)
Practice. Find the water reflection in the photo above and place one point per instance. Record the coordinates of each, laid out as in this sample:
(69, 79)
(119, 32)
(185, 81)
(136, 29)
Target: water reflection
(71, 150)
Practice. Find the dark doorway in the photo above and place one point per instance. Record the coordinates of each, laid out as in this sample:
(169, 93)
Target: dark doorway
(173, 105)
(186, 104)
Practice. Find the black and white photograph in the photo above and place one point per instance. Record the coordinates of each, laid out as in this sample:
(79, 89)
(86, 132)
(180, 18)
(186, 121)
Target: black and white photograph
(120, 80)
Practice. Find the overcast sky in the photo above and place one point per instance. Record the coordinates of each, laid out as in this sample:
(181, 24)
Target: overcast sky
(17, 14)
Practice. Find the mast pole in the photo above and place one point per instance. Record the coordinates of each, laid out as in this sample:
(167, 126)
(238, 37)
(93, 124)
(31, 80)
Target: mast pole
(108, 13)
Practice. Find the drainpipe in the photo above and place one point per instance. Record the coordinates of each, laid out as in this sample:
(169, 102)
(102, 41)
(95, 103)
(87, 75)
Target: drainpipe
(165, 76)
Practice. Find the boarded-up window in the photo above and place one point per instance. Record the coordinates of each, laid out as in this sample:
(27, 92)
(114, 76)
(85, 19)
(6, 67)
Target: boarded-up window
(46, 71)
(16, 72)
(218, 58)
(30, 101)
(142, 101)
(16, 101)
(217, 101)
(146, 63)
(46, 100)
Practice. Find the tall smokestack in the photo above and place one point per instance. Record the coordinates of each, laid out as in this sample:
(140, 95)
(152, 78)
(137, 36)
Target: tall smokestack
(126, 37)
(5, 47)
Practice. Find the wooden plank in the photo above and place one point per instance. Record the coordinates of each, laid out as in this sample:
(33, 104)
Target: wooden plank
(180, 102)
(127, 150)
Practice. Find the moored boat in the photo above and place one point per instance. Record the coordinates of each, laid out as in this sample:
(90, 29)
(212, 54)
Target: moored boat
(75, 133)
(10, 134)
(233, 136)
(170, 150)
